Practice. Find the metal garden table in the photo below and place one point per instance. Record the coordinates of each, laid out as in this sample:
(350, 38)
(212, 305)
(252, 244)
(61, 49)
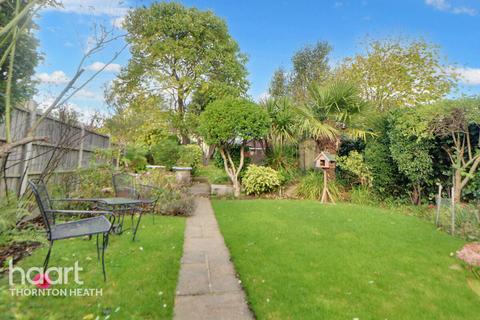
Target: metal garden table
(120, 207)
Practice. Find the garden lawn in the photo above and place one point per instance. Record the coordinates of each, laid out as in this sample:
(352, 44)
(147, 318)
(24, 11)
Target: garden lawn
(305, 260)
(141, 276)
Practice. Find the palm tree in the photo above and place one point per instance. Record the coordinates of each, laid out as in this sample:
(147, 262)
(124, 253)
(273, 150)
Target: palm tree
(284, 130)
(331, 111)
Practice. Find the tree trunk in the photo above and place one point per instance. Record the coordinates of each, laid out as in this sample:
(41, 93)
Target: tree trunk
(236, 188)
(458, 185)
(185, 139)
(230, 168)
(208, 155)
(416, 195)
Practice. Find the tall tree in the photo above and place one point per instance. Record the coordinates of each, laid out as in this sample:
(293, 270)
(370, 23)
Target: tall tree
(177, 50)
(25, 56)
(279, 83)
(397, 73)
(228, 122)
(455, 121)
(410, 149)
(310, 65)
(334, 110)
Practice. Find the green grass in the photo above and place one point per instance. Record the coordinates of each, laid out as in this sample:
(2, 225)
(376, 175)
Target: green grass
(213, 174)
(142, 276)
(304, 260)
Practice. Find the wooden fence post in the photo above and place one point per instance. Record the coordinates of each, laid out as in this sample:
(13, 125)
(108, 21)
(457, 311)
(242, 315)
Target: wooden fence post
(27, 149)
(80, 151)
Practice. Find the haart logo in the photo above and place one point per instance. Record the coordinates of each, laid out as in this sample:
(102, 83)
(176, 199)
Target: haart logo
(45, 282)
(52, 276)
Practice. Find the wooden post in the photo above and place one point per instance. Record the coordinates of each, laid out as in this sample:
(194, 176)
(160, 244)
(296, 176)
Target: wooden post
(439, 203)
(326, 196)
(80, 151)
(453, 212)
(27, 149)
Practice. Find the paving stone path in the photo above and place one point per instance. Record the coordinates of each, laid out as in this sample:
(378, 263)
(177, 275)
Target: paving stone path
(207, 287)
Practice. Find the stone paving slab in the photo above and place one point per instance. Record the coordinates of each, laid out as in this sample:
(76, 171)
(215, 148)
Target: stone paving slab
(207, 286)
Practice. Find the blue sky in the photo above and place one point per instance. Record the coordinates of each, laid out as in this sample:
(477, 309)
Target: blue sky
(269, 32)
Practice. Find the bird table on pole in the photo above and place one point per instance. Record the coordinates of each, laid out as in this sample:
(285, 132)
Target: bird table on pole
(325, 161)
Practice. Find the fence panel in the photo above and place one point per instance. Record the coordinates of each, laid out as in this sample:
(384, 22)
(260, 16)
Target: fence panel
(68, 147)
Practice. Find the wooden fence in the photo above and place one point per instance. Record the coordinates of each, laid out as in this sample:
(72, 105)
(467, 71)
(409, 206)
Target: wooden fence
(69, 146)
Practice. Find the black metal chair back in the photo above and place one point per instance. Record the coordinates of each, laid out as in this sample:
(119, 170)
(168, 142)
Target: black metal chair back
(40, 192)
(124, 186)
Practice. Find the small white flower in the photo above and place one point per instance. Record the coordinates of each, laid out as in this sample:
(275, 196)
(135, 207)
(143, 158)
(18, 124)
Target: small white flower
(117, 309)
(160, 293)
(268, 300)
(88, 258)
(141, 248)
(165, 305)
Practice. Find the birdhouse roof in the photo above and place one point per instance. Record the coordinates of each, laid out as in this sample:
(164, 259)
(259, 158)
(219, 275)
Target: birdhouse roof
(326, 155)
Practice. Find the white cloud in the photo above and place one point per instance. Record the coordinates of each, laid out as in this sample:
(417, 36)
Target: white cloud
(438, 4)
(84, 113)
(86, 94)
(444, 5)
(466, 10)
(263, 96)
(469, 76)
(113, 8)
(56, 77)
(97, 66)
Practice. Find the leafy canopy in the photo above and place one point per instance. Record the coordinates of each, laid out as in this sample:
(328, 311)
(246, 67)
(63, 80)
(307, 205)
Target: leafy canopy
(26, 55)
(177, 50)
(229, 120)
(334, 109)
(397, 73)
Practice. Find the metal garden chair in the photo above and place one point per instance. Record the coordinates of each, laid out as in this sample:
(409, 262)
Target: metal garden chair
(124, 185)
(96, 225)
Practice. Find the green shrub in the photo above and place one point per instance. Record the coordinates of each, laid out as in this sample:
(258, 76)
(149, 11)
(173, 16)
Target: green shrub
(363, 195)
(288, 175)
(284, 158)
(354, 164)
(174, 203)
(386, 179)
(311, 186)
(84, 183)
(135, 158)
(12, 210)
(259, 180)
(158, 178)
(166, 152)
(190, 156)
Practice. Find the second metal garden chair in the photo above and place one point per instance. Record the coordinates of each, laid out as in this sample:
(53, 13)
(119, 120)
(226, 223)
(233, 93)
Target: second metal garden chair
(124, 185)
